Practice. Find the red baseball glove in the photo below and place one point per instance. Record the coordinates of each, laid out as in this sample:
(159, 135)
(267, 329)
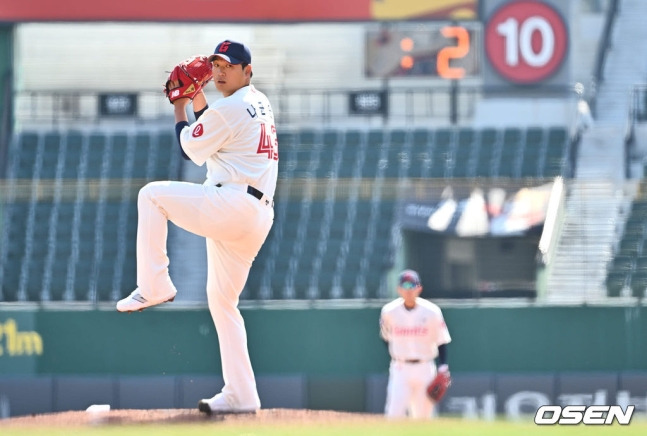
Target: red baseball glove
(191, 74)
(439, 385)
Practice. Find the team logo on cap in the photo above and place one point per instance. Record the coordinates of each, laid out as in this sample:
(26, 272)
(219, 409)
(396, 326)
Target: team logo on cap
(197, 131)
(224, 47)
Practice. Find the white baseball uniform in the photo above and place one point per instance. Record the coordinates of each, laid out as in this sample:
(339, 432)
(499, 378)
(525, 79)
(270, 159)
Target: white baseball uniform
(233, 210)
(413, 336)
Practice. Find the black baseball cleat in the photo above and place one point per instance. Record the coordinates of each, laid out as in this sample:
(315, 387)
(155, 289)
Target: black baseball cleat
(203, 406)
(218, 405)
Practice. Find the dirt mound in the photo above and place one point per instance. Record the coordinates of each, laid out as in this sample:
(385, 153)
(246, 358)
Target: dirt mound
(140, 416)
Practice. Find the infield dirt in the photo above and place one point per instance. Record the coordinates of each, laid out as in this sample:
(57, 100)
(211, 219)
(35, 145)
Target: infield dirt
(154, 416)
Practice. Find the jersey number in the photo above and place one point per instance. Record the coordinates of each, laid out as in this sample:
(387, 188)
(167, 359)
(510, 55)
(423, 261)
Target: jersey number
(268, 143)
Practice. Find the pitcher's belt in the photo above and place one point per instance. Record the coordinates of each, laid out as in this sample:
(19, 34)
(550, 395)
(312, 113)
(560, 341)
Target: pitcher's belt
(250, 190)
(411, 361)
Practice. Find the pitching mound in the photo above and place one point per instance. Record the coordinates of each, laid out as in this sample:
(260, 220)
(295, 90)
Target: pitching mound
(155, 416)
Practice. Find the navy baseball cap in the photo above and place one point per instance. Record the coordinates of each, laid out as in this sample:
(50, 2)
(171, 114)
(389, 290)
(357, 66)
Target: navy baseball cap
(409, 279)
(233, 52)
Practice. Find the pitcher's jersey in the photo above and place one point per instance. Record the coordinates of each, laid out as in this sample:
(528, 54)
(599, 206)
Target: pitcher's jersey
(236, 137)
(415, 333)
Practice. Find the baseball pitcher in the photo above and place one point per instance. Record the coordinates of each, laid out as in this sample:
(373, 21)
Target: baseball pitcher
(416, 333)
(233, 209)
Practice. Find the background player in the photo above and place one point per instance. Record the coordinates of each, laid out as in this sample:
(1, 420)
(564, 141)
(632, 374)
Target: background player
(232, 209)
(416, 334)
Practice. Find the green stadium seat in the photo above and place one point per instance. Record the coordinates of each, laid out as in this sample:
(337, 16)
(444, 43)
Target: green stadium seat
(286, 140)
(557, 144)
(375, 140)
(485, 160)
(420, 164)
(638, 284)
(96, 155)
(73, 155)
(615, 282)
(118, 154)
(168, 156)
(421, 138)
(27, 152)
(353, 138)
(325, 282)
(34, 288)
(510, 153)
(307, 138)
(330, 139)
(391, 166)
(51, 155)
(441, 153)
(11, 272)
(630, 246)
(533, 152)
(639, 207)
(58, 282)
(349, 281)
(143, 155)
(466, 148)
(398, 138)
(622, 263)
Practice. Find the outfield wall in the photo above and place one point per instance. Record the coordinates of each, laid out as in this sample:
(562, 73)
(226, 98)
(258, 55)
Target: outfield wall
(504, 360)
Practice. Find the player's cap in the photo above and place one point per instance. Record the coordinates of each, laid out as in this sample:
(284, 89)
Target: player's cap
(233, 52)
(409, 279)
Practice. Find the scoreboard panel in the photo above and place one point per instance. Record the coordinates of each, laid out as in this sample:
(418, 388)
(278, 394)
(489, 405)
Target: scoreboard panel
(444, 50)
(519, 43)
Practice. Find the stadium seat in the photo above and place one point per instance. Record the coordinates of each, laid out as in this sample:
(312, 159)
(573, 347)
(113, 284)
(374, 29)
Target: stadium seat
(510, 153)
(533, 152)
(420, 138)
(557, 143)
(27, 152)
(11, 273)
(638, 284)
(96, 155)
(51, 155)
(391, 165)
(630, 247)
(398, 138)
(167, 157)
(58, 283)
(142, 156)
(73, 155)
(420, 164)
(641, 262)
(615, 282)
(441, 153)
(375, 139)
(623, 263)
(119, 152)
(34, 286)
(466, 147)
(307, 138)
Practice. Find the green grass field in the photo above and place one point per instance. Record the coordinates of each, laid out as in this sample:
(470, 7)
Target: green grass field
(441, 426)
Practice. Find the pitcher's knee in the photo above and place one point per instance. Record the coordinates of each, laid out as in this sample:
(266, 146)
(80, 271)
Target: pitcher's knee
(148, 192)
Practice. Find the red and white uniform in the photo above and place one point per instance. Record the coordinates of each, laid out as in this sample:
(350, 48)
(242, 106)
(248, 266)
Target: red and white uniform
(413, 336)
(236, 138)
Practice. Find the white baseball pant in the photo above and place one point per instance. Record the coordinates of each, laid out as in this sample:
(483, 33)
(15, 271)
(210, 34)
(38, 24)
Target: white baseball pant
(235, 225)
(407, 390)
